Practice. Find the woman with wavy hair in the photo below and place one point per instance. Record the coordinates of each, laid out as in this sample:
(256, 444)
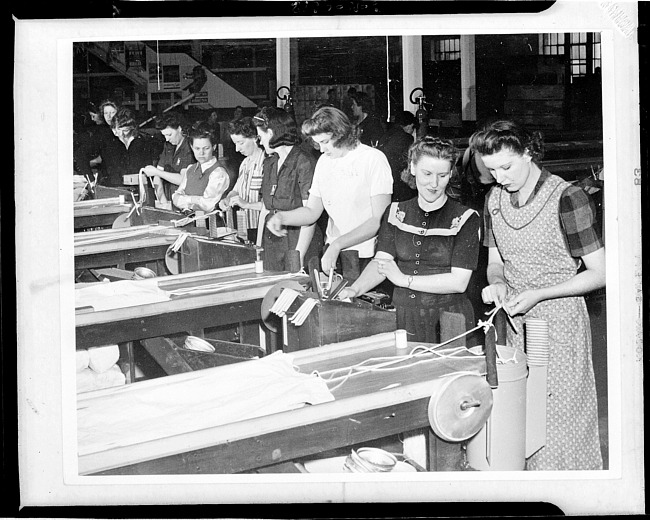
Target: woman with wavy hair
(427, 246)
(287, 176)
(545, 253)
(352, 183)
(246, 195)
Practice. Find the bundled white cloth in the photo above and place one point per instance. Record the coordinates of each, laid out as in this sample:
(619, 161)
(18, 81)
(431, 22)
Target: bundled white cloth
(88, 379)
(97, 368)
(123, 293)
(181, 404)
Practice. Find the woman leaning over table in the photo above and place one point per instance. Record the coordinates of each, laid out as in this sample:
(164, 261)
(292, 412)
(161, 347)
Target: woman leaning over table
(540, 230)
(246, 193)
(287, 177)
(427, 246)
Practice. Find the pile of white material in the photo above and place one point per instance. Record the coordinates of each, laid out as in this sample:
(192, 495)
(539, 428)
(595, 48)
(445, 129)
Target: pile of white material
(97, 368)
(184, 403)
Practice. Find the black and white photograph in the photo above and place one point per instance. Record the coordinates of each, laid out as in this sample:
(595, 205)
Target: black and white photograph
(353, 258)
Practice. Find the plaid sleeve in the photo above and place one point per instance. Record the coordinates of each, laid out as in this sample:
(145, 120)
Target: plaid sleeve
(578, 219)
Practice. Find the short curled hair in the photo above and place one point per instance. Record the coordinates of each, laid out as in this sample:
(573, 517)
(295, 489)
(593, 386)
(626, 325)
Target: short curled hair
(364, 101)
(330, 120)
(504, 134)
(172, 120)
(243, 127)
(281, 123)
(107, 103)
(431, 147)
(124, 118)
(201, 130)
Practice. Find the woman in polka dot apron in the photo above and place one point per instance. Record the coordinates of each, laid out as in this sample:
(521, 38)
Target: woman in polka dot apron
(540, 230)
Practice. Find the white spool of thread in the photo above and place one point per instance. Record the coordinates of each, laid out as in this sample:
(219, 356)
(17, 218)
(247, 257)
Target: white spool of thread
(259, 262)
(400, 339)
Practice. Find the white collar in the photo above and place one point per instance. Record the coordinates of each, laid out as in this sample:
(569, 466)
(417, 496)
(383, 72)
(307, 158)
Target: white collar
(205, 166)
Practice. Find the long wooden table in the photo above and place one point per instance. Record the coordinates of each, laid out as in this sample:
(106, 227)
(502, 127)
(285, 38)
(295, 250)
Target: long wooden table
(369, 406)
(237, 304)
(98, 213)
(120, 251)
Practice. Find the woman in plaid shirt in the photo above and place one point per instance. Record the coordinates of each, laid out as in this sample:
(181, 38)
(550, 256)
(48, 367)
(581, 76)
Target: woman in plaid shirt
(545, 252)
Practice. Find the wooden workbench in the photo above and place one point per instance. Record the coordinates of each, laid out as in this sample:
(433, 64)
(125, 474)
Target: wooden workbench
(370, 406)
(148, 247)
(98, 213)
(231, 306)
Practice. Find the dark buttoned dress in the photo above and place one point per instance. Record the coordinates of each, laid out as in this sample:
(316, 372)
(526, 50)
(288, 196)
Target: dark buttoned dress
(427, 243)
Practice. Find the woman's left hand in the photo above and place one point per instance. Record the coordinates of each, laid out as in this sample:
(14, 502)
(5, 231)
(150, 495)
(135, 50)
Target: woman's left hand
(390, 270)
(522, 302)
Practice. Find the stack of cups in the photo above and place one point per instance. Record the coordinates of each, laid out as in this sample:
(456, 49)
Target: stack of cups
(537, 342)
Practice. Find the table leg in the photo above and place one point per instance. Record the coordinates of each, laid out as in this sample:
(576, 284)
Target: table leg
(127, 361)
(442, 455)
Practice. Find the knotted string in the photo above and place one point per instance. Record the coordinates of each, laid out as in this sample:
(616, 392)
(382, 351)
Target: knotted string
(384, 365)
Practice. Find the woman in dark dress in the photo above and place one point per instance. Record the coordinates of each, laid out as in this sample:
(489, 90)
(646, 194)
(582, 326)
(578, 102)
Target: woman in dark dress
(288, 171)
(370, 127)
(427, 246)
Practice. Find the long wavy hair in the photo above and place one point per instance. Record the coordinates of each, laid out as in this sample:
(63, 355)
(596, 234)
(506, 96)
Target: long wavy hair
(281, 123)
(330, 120)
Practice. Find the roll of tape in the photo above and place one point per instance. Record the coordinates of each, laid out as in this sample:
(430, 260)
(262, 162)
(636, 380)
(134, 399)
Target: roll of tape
(459, 406)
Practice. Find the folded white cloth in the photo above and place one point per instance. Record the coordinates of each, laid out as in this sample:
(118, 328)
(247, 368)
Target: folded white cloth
(88, 379)
(100, 359)
(82, 358)
(123, 293)
(212, 397)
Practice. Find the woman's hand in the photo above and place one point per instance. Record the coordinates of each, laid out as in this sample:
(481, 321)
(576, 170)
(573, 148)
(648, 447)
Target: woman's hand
(224, 204)
(523, 302)
(274, 225)
(328, 261)
(346, 293)
(150, 171)
(389, 269)
(495, 293)
(236, 200)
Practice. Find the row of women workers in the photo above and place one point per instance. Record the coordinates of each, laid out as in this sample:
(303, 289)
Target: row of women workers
(544, 243)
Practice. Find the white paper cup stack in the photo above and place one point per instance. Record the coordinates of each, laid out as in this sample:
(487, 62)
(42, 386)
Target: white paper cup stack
(537, 342)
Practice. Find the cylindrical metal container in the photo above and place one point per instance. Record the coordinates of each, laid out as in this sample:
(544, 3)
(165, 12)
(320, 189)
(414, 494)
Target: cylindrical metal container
(501, 444)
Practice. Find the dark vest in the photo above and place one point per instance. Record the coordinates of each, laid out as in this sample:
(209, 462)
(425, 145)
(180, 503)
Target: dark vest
(197, 181)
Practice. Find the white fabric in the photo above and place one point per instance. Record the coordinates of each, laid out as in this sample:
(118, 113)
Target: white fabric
(82, 358)
(213, 397)
(122, 293)
(88, 379)
(415, 447)
(345, 185)
(100, 359)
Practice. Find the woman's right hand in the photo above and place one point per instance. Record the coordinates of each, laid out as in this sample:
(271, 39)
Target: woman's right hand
(346, 293)
(224, 204)
(150, 171)
(275, 225)
(495, 293)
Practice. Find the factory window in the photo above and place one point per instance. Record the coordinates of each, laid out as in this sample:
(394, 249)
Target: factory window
(552, 44)
(445, 49)
(581, 49)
